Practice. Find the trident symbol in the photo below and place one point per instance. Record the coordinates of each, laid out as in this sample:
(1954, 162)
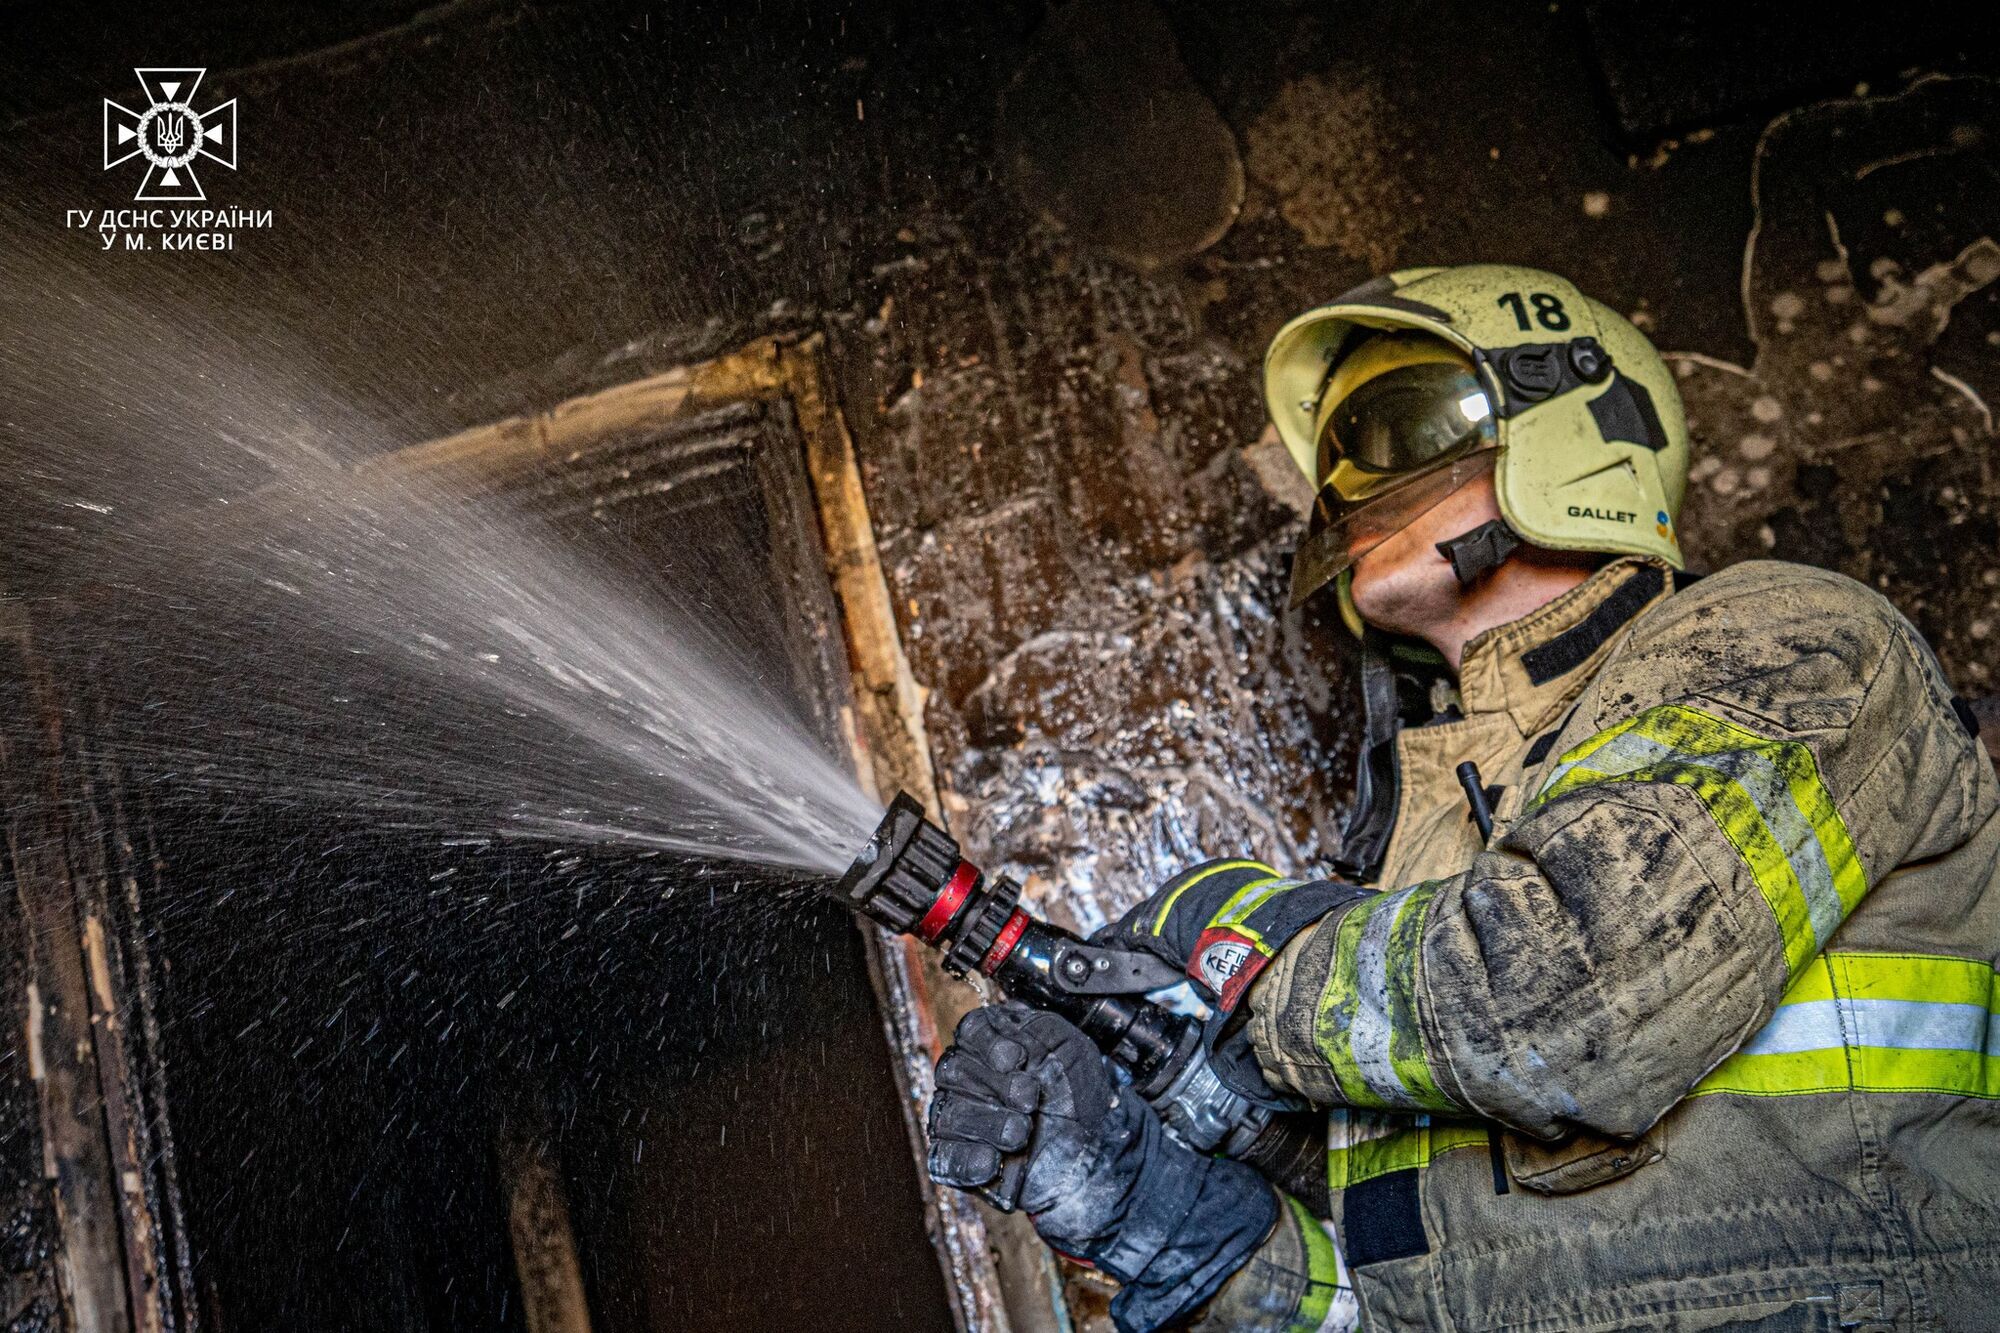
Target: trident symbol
(170, 133)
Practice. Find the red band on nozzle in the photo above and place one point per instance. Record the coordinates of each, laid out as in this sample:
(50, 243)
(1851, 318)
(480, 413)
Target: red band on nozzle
(1003, 944)
(947, 904)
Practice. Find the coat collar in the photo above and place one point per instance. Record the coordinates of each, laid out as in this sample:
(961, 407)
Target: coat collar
(1533, 667)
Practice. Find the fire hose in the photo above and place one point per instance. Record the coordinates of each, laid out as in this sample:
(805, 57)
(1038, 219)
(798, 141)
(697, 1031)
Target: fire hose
(911, 879)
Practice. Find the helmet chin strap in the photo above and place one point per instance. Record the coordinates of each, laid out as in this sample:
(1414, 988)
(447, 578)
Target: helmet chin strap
(1477, 553)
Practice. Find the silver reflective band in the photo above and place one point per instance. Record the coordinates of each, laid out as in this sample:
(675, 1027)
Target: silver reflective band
(1368, 1035)
(1909, 1025)
(1768, 791)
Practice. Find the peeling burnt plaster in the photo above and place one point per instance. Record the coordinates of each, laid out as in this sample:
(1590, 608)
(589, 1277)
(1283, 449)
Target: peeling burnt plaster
(1103, 132)
(1324, 151)
(1088, 565)
(1118, 690)
(1846, 443)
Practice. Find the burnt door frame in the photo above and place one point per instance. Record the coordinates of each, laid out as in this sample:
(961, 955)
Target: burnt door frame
(1000, 1277)
(96, 1234)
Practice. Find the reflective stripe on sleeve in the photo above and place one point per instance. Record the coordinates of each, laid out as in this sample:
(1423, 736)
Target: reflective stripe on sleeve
(1766, 795)
(1362, 1145)
(1328, 1302)
(1869, 1022)
(1367, 1028)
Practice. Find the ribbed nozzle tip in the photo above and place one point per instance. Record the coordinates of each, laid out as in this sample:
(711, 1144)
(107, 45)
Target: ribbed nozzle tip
(881, 849)
(910, 878)
(899, 874)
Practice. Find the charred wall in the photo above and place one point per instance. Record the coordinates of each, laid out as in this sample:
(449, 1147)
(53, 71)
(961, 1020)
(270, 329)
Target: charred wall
(1046, 292)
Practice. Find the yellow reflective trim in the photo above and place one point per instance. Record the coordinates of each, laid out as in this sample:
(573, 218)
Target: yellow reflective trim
(1583, 750)
(1923, 977)
(1228, 909)
(1738, 817)
(1403, 972)
(1400, 1150)
(1765, 795)
(1367, 1028)
(1815, 802)
(1778, 1075)
(1815, 983)
(1323, 1271)
(1450, 1136)
(1855, 1069)
(1340, 999)
(1160, 921)
(1908, 1023)
(1887, 1069)
(1226, 917)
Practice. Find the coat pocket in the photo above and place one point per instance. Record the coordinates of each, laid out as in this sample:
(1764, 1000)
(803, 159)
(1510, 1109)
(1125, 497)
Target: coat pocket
(1580, 1161)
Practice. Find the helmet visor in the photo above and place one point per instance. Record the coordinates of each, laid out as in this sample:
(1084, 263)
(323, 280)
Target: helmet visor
(1389, 453)
(1400, 423)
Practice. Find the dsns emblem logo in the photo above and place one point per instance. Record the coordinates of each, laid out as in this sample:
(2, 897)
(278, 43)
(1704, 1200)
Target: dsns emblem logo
(170, 134)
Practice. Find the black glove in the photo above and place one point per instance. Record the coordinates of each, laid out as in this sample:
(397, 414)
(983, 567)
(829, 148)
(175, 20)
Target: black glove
(1222, 921)
(1028, 1114)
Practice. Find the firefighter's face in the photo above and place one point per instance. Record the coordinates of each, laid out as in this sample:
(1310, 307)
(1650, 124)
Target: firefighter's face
(1403, 584)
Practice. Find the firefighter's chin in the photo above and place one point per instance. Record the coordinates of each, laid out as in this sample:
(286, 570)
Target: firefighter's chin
(1404, 584)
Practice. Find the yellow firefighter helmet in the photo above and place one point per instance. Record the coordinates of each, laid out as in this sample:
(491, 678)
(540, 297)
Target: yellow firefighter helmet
(1395, 394)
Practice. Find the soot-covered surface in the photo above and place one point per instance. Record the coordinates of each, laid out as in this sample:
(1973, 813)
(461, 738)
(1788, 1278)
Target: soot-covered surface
(1053, 398)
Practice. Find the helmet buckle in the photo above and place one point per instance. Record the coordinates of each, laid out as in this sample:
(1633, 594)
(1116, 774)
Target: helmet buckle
(1475, 554)
(1533, 372)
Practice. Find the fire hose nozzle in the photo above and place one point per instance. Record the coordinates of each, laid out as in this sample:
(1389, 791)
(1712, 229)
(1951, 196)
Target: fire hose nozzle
(910, 878)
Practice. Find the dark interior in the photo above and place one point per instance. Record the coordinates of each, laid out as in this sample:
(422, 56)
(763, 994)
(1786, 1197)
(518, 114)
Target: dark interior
(713, 1082)
(358, 1017)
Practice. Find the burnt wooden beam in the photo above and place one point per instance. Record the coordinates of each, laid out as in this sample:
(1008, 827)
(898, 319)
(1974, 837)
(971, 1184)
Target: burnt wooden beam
(995, 1258)
(544, 1241)
(107, 867)
(31, 1294)
(107, 1246)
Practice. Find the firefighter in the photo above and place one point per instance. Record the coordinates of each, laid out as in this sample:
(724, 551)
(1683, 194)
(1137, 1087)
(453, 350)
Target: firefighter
(1675, 1011)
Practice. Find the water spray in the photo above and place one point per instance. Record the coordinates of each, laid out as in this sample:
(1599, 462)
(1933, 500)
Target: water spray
(911, 879)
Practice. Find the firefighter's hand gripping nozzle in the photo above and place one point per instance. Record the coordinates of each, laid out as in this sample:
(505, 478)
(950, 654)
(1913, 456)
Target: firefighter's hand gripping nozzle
(911, 879)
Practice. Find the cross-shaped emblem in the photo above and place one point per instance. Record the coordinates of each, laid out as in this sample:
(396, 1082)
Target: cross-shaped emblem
(170, 133)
